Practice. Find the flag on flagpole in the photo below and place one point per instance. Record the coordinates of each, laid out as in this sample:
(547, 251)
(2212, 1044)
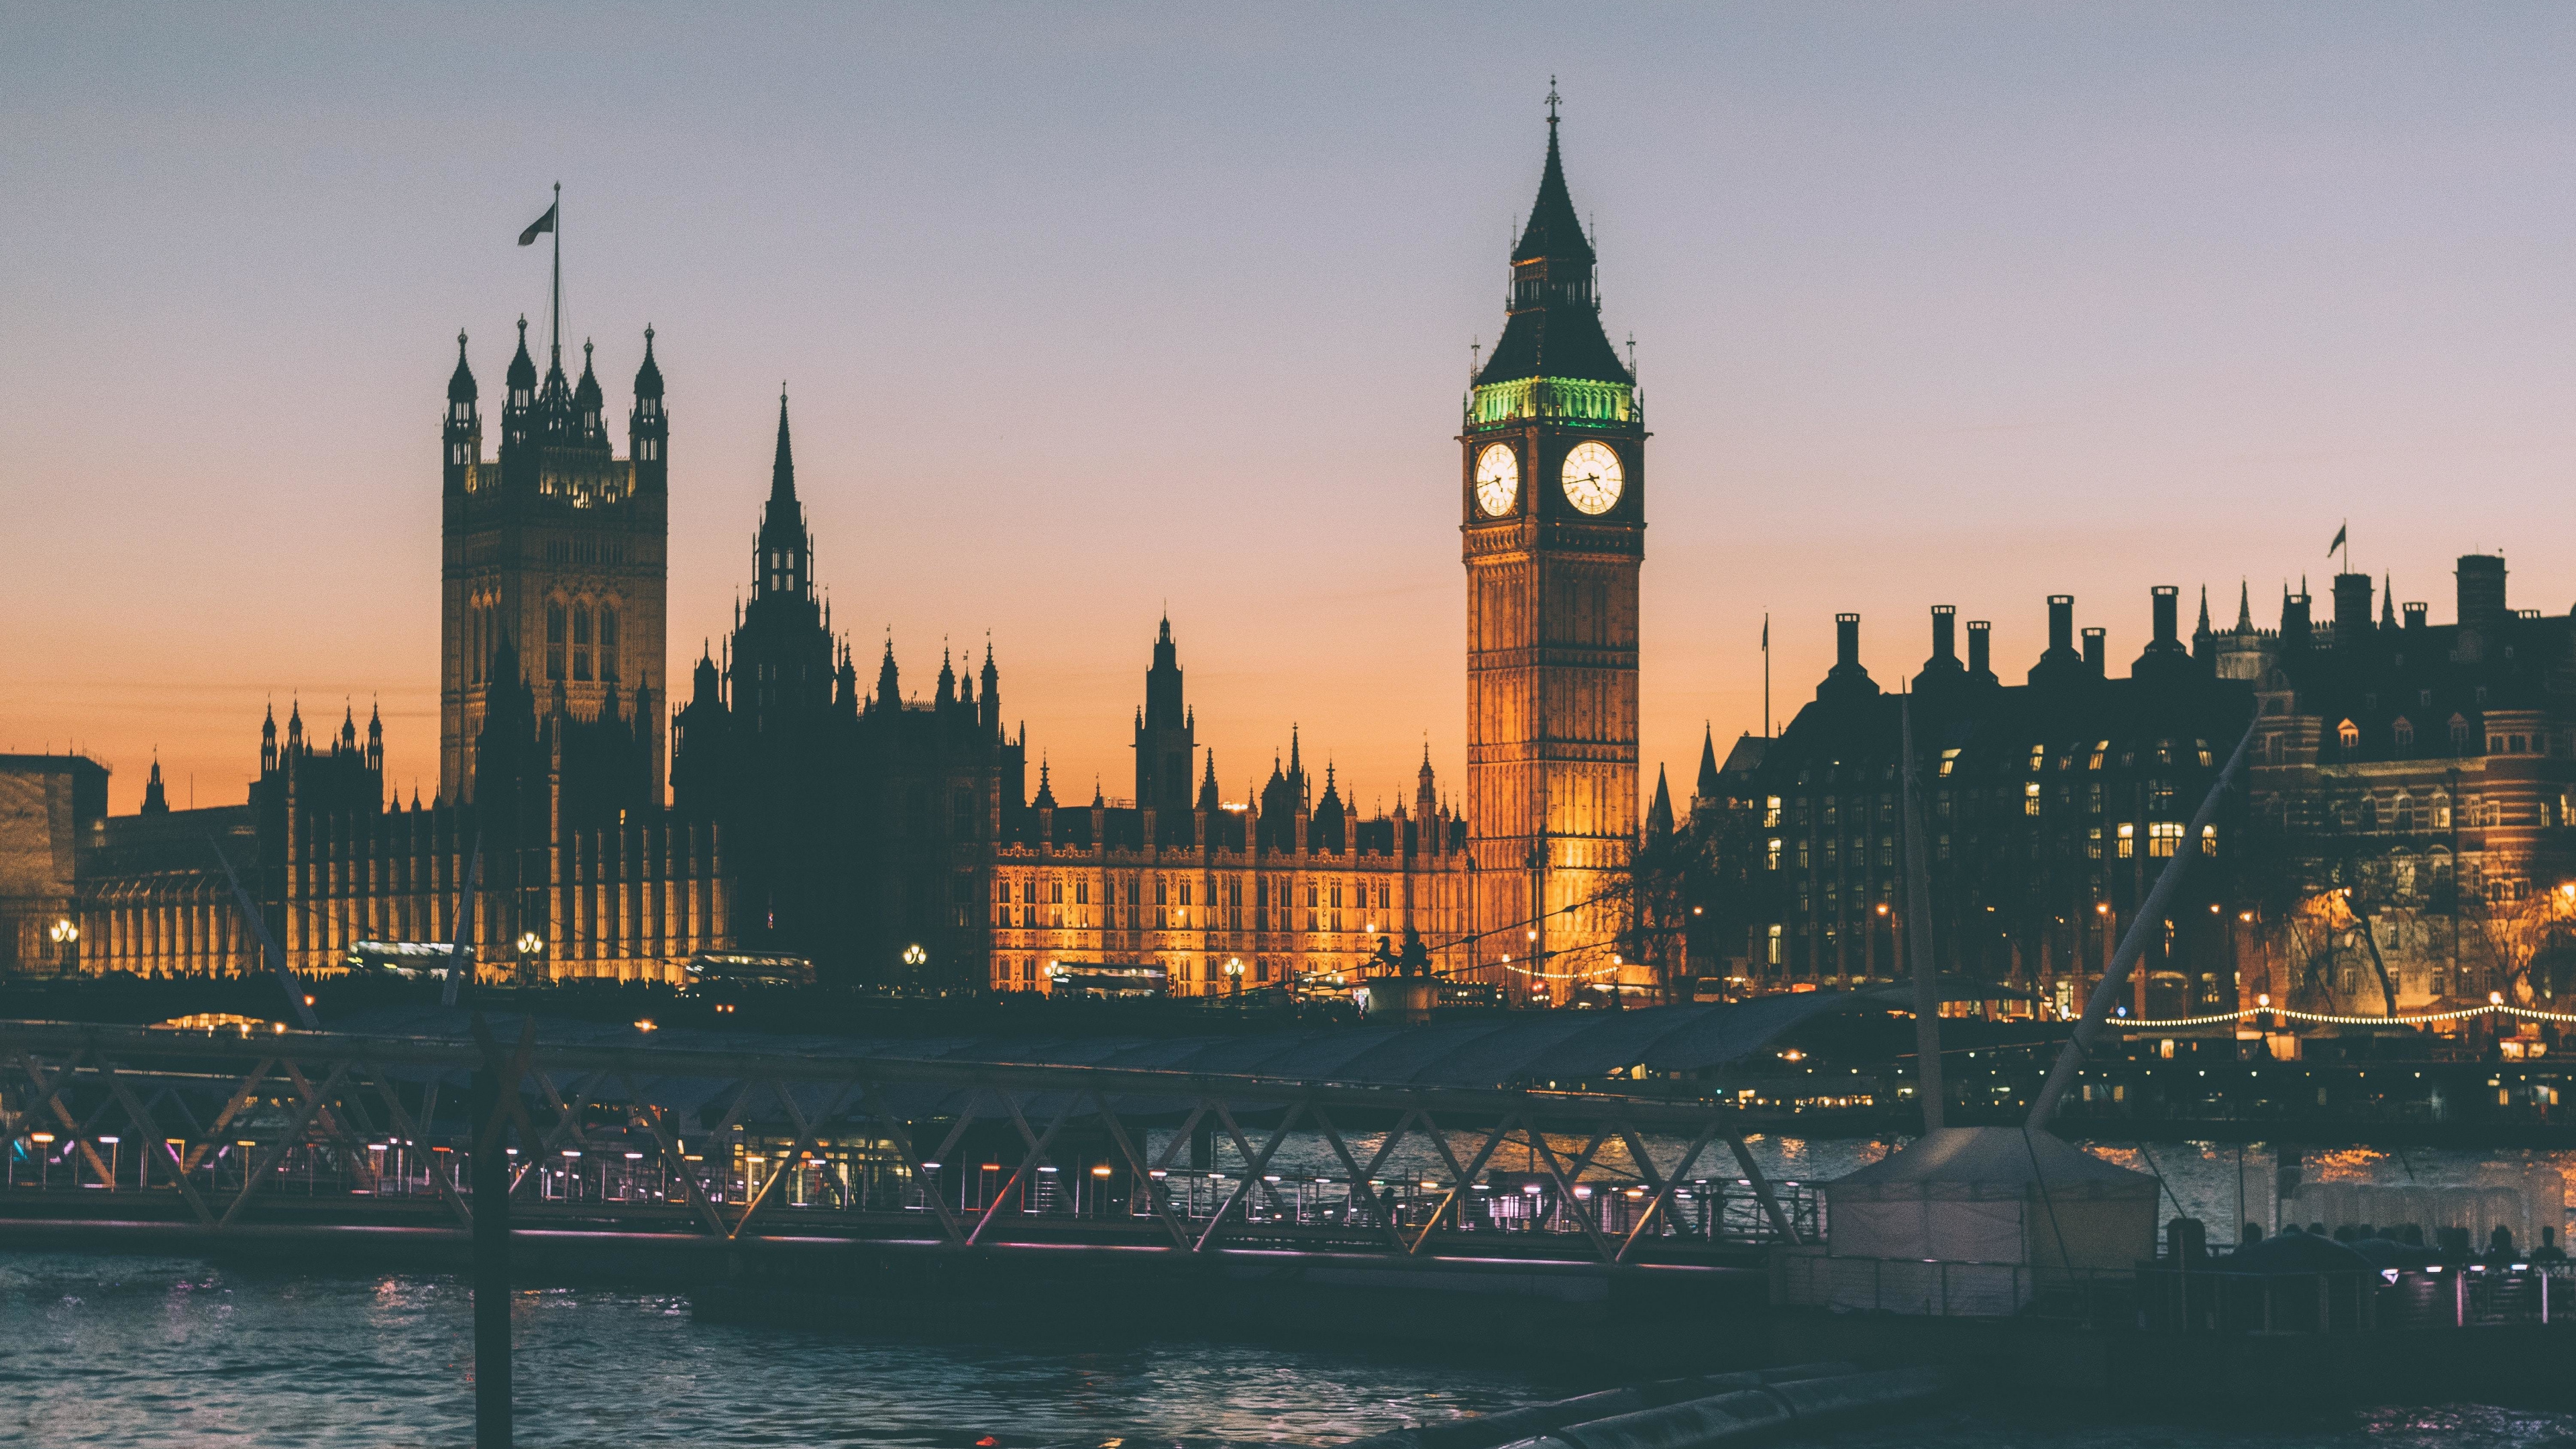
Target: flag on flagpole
(2330, 548)
(540, 226)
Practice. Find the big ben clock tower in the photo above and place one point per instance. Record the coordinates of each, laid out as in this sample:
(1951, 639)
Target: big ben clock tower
(1552, 490)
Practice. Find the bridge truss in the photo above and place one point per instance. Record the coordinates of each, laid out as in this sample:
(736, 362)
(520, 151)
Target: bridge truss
(226, 1132)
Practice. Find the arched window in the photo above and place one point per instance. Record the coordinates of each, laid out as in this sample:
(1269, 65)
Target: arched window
(2404, 733)
(2459, 734)
(2348, 735)
(2405, 812)
(581, 641)
(555, 630)
(608, 642)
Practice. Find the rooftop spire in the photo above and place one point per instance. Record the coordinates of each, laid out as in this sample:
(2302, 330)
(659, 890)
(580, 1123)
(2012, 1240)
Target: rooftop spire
(460, 383)
(523, 372)
(782, 468)
(648, 378)
(1555, 315)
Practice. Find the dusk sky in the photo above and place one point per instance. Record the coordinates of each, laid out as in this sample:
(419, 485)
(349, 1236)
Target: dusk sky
(1090, 312)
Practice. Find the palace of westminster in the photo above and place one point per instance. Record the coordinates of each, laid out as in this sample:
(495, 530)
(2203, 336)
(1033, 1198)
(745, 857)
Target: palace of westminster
(777, 803)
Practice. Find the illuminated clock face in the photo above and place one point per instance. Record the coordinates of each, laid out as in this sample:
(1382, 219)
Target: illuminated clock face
(1498, 479)
(1593, 478)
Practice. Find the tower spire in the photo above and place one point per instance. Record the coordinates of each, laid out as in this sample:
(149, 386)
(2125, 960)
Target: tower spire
(782, 467)
(1554, 328)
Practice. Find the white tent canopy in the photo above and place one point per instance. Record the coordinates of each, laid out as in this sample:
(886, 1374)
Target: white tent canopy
(1994, 1195)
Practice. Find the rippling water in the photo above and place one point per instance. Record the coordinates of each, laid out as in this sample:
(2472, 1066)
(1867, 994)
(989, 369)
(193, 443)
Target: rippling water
(169, 1351)
(172, 1351)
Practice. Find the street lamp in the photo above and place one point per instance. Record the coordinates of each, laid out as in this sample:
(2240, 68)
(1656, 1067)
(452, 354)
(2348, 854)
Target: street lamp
(66, 935)
(913, 957)
(531, 945)
(1234, 973)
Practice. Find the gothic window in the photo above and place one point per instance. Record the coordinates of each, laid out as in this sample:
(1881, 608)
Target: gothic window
(2160, 796)
(2348, 735)
(1831, 808)
(581, 641)
(2405, 812)
(1055, 892)
(2128, 841)
(2403, 732)
(1771, 855)
(554, 639)
(1887, 850)
(2093, 803)
(1771, 813)
(608, 642)
(2030, 798)
(2459, 734)
(2093, 844)
(1775, 946)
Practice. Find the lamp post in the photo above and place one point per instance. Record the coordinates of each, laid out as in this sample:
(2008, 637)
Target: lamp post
(65, 934)
(531, 945)
(913, 957)
(1234, 975)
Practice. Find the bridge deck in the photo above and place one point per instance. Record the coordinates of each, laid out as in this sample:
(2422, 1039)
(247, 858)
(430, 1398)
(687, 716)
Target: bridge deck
(174, 1136)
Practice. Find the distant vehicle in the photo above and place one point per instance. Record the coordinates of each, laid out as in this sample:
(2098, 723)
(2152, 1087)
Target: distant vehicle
(1470, 993)
(709, 970)
(1096, 981)
(407, 960)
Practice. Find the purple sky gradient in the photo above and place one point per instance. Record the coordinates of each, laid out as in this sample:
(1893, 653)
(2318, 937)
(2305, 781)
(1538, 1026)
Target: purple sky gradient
(1084, 311)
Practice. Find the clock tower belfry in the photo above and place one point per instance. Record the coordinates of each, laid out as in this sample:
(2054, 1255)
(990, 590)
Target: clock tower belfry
(1552, 493)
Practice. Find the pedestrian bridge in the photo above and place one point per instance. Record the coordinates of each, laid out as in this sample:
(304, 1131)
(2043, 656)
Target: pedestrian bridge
(1451, 1141)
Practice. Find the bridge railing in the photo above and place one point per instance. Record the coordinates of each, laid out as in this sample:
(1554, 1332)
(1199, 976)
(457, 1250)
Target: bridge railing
(312, 1127)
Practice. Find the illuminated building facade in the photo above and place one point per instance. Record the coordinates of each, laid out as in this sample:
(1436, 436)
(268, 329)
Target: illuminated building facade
(1552, 501)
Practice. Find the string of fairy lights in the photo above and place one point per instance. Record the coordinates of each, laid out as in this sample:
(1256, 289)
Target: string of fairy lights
(2495, 1006)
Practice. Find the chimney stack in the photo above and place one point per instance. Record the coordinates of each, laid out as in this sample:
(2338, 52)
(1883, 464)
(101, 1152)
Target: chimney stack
(2093, 652)
(1981, 636)
(1944, 644)
(1846, 641)
(2415, 616)
(2061, 622)
(2168, 603)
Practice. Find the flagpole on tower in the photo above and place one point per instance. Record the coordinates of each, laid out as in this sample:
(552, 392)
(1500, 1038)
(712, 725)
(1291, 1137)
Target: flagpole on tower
(557, 296)
(1767, 729)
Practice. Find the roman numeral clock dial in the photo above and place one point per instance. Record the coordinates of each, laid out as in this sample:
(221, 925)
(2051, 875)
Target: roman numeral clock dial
(1593, 478)
(1498, 479)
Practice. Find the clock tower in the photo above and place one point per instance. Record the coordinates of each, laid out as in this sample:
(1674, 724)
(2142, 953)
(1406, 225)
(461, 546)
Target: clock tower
(1552, 491)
